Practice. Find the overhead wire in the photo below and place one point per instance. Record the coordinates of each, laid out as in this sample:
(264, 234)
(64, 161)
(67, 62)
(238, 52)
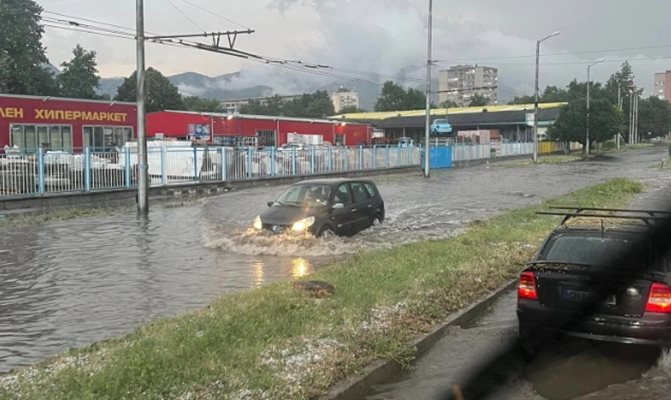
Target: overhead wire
(299, 66)
(215, 14)
(197, 25)
(557, 53)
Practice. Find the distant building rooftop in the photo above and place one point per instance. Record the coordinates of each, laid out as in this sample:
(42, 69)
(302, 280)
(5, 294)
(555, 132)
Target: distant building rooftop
(382, 115)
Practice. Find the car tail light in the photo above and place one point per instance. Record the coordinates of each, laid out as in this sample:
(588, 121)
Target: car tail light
(526, 288)
(659, 299)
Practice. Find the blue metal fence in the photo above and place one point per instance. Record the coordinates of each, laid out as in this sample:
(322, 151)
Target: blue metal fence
(45, 172)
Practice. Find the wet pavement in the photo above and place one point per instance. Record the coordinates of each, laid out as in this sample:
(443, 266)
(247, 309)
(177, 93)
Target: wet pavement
(570, 369)
(69, 283)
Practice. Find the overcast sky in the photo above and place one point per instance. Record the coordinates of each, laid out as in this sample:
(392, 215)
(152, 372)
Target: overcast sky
(389, 36)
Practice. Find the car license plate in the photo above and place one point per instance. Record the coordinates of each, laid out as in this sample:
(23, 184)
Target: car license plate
(576, 295)
(583, 296)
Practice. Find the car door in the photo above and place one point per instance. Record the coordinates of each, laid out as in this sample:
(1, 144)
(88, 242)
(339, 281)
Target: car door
(343, 218)
(360, 211)
(375, 205)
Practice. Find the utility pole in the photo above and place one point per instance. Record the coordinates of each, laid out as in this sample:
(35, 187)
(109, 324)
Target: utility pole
(636, 138)
(619, 107)
(427, 147)
(631, 116)
(142, 168)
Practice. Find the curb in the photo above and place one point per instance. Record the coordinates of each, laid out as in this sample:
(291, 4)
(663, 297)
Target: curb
(381, 371)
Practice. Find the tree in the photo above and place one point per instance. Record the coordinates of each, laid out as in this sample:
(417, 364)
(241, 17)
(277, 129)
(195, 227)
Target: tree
(271, 106)
(351, 110)
(414, 99)
(448, 104)
(21, 49)
(478, 100)
(523, 100)
(553, 94)
(393, 98)
(605, 121)
(654, 117)
(195, 103)
(310, 105)
(160, 94)
(4, 70)
(79, 78)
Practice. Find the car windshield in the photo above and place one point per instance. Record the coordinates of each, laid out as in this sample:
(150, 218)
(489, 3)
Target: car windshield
(306, 194)
(595, 250)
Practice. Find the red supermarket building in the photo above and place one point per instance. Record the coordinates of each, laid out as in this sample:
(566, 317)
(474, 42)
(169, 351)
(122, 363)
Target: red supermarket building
(268, 130)
(31, 122)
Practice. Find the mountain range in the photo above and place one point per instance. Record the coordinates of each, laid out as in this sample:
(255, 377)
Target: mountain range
(224, 87)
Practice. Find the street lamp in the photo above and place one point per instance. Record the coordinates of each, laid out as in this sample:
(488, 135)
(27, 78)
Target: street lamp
(587, 125)
(538, 48)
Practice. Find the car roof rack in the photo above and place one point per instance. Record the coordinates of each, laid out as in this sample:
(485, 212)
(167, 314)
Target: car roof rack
(646, 216)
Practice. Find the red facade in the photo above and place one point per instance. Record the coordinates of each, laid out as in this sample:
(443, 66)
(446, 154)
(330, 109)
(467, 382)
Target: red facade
(271, 130)
(54, 123)
(31, 122)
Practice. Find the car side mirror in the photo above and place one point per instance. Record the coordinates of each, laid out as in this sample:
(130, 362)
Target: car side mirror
(338, 206)
(270, 203)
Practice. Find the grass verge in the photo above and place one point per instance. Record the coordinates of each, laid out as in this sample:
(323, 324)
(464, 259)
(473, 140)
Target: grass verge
(275, 342)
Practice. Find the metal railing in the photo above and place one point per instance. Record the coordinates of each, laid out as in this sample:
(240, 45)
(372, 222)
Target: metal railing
(43, 172)
(46, 172)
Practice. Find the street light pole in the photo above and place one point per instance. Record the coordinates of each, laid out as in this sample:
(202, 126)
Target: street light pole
(427, 148)
(538, 47)
(587, 140)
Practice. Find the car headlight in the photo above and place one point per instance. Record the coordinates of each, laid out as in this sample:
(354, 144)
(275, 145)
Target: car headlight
(258, 225)
(304, 224)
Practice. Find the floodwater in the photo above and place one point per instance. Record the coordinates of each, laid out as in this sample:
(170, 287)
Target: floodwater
(69, 283)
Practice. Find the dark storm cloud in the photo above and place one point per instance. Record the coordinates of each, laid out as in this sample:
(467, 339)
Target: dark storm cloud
(390, 36)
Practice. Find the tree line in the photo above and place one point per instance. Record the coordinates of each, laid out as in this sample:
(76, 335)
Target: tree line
(606, 118)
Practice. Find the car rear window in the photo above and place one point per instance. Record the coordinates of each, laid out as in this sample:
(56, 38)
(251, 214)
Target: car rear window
(372, 190)
(599, 251)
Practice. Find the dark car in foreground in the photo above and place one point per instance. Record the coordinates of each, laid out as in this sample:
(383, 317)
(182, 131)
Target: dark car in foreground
(598, 280)
(324, 207)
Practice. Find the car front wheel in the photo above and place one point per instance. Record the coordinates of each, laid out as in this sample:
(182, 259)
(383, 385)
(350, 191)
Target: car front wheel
(326, 231)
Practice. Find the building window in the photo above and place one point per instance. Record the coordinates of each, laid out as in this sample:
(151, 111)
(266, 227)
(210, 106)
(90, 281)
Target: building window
(106, 138)
(49, 137)
(266, 137)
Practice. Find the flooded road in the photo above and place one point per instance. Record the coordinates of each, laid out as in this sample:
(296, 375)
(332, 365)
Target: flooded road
(69, 283)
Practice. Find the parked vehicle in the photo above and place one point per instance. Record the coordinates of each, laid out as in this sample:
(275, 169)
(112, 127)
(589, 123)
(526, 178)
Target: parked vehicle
(597, 282)
(441, 127)
(324, 207)
(292, 146)
(406, 142)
